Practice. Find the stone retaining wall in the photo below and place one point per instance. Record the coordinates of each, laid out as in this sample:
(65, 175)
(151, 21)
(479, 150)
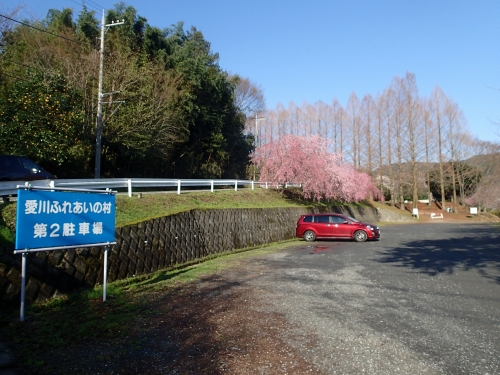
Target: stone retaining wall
(153, 245)
(390, 216)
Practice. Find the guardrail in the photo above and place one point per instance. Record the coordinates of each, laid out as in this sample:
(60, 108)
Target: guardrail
(10, 187)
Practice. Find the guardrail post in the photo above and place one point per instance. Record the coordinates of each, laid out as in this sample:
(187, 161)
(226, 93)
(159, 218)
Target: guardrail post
(252, 184)
(266, 184)
(129, 184)
(286, 185)
(178, 186)
(236, 185)
(52, 183)
(211, 186)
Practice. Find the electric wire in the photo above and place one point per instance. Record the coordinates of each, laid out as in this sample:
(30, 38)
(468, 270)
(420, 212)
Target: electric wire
(89, 4)
(44, 31)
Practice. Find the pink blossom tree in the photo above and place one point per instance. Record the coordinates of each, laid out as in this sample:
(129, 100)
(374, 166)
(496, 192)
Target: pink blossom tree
(307, 160)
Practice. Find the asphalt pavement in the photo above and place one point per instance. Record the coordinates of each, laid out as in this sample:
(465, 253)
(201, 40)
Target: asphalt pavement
(425, 299)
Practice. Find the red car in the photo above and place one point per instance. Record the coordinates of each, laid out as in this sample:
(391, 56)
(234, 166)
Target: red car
(314, 226)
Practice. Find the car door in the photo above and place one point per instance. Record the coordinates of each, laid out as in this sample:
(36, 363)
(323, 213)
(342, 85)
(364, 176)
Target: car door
(322, 226)
(339, 226)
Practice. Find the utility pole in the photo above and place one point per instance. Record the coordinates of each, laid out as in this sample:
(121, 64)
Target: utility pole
(100, 95)
(256, 132)
(257, 127)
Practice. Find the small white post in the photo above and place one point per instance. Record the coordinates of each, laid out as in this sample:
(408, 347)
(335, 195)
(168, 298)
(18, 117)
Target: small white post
(211, 186)
(236, 185)
(105, 276)
(266, 184)
(178, 186)
(252, 184)
(129, 183)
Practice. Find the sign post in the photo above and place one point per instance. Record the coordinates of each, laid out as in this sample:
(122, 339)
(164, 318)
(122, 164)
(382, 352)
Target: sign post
(51, 219)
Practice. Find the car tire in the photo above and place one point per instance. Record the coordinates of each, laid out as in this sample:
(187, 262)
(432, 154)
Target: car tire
(309, 236)
(360, 236)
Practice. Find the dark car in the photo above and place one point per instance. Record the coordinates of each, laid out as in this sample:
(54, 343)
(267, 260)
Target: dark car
(20, 168)
(314, 226)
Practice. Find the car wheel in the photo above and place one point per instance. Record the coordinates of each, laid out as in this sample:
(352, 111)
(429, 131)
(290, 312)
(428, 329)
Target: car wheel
(360, 236)
(309, 236)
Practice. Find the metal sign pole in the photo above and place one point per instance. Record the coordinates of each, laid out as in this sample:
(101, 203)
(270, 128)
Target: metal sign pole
(23, 285)
(105, 276)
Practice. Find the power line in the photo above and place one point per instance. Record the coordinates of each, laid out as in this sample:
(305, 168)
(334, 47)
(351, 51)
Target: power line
(44, 31)
(90, 4)
(97, 5)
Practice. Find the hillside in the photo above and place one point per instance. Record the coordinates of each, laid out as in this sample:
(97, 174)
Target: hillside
(488, 164)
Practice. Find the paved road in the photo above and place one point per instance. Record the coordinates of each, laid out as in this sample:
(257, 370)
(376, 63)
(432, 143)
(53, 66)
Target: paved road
(425, 299)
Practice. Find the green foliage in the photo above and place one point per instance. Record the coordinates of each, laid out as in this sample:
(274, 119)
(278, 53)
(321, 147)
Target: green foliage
(41, 119)
(178, 119)
(87, 25)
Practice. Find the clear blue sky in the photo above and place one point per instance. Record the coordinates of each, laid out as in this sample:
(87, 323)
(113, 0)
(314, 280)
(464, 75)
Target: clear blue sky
(324, 49)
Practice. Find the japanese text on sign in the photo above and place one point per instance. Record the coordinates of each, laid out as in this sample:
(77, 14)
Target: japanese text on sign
(51, 219)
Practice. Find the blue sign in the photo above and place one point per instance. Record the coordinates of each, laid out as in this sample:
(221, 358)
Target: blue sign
(58, 218)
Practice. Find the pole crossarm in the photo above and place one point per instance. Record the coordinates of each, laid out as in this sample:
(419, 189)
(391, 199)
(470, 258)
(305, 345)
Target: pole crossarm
(103, 95)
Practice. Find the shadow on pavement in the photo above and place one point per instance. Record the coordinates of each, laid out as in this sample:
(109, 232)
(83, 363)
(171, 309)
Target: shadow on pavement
(466, 251)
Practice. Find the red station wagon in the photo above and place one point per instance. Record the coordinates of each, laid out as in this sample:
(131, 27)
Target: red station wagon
(314, 226)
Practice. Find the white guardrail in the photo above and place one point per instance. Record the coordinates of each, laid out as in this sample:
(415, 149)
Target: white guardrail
(10, 187)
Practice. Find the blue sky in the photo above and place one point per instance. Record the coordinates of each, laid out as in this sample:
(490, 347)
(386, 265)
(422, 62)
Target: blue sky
(320, 50)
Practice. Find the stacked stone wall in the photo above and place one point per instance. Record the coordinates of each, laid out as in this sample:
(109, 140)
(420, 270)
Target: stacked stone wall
(155, 244)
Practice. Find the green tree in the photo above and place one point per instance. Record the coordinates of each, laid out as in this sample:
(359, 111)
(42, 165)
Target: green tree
(41, 119)
(177, 115)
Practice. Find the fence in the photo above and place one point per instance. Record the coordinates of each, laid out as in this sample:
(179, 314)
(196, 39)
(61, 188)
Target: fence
(10, 187)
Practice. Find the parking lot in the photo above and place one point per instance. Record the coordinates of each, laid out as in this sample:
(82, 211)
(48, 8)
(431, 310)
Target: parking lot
(423, 299)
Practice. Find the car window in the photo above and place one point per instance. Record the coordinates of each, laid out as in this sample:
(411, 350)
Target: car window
(322, 219)
(15, 164)
(30, 165)
(307, 219)
(336, 219)
(4, 162)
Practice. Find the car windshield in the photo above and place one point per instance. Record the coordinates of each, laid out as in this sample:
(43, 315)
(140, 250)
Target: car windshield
(353, 219)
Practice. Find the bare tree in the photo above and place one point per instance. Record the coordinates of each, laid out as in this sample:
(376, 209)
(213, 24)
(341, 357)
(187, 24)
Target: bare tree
(367, 109)
(324, 118)
(353, 128)
(338, 126)
(398, 121)
(380, 135)
(413, 129)
(429, 141)
(6, 23)
(249, 98)
(438, 100)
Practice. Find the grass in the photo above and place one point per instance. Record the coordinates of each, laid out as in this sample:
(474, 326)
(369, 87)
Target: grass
(83, 315)
(135, 209)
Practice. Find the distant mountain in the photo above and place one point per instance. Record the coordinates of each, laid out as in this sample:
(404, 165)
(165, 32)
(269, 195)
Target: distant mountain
(488, 164)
